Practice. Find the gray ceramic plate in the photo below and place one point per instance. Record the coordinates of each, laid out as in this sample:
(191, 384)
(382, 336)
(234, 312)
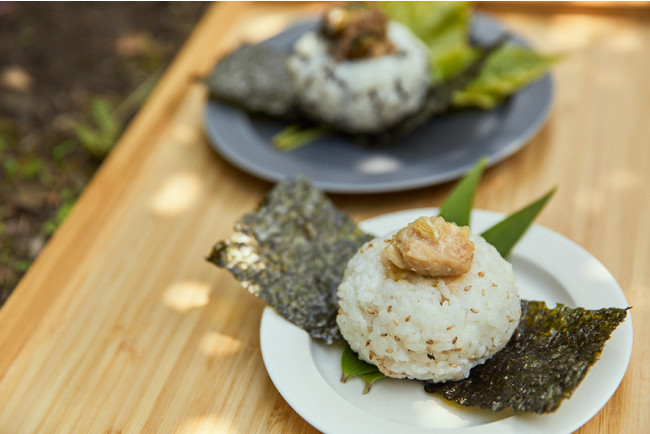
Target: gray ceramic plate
(443, 149)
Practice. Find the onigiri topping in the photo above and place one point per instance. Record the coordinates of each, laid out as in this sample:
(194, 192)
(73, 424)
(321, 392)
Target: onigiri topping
(432, 247)
(357, 31)
(428, 328)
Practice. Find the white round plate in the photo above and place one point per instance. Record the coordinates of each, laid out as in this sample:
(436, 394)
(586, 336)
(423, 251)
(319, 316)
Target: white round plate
(548, 266)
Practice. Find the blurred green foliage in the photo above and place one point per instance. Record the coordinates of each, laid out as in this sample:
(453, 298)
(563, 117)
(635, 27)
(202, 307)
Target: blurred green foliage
(99, 136)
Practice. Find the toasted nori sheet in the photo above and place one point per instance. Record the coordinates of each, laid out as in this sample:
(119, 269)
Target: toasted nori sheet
(255, 78)
(544, 362)
(292, 252)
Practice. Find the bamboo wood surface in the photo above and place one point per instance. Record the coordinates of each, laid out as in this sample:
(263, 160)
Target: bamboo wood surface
(121, 326)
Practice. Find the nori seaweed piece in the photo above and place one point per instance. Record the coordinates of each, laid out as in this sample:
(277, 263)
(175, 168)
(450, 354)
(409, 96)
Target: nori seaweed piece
(255, 78)
(292, 252)
(547, 357)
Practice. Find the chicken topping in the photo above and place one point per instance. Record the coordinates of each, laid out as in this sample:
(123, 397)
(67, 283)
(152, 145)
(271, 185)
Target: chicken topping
(358, 31)
(432, 247)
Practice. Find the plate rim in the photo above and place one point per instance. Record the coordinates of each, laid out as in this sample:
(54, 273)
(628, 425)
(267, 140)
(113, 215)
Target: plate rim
(336, 404)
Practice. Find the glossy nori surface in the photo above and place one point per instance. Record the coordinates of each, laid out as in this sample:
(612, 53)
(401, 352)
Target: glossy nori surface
(547, 357)
(255, 78)
(292, 252)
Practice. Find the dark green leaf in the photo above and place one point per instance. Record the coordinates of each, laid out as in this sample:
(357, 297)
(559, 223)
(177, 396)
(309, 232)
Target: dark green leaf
(352, 365)
(369, 379)
(458, 206)
(443, 27)
(505, 234)
(294, 136)
(547, 357)
(285, 132)
(507, 70)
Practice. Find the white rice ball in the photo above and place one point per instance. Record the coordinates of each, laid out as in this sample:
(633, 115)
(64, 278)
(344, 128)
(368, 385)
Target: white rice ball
(361, 95)
(428, 328)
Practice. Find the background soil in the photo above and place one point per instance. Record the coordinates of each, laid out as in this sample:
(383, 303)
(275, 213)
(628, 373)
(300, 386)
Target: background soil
(72, 75)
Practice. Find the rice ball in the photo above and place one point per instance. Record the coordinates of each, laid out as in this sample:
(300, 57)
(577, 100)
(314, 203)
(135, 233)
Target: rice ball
(427, 328)
(360, 95)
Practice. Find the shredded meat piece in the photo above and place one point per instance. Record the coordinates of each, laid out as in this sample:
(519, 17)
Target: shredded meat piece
(432, 247)
(357, 31)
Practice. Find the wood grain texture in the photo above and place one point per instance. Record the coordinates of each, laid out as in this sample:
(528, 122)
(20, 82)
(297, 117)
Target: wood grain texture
(121, 326)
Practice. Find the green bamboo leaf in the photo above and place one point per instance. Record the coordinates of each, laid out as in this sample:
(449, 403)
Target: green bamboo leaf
(508, 70)
(294, 137)
(352, 366)
(443, 27)
(284, 133)
(458, 205)
(369, 378)
(505, 234)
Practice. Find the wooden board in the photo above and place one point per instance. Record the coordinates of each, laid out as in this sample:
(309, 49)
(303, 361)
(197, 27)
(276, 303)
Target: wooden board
(121, 326)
